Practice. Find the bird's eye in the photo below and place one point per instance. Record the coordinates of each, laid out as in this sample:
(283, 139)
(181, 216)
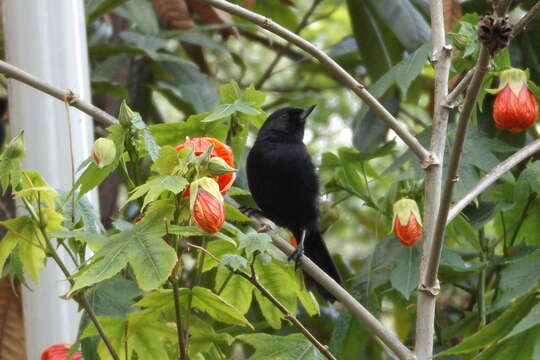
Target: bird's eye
(283, 116)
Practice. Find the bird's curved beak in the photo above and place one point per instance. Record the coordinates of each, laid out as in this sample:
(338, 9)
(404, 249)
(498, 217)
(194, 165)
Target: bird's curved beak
(307, 111)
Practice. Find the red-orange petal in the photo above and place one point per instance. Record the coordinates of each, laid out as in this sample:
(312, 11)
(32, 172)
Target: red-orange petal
(410, 233)
(59, 352)
(208, 212)
(515, 113)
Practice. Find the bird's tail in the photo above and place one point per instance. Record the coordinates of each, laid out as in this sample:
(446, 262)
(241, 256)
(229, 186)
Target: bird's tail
(315, 249)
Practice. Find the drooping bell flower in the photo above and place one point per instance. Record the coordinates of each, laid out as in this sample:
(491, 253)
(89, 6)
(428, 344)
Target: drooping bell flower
(407, 221)
(103, 152)
(515, 107)
(220, 150)
(60, 352)
(206, 205)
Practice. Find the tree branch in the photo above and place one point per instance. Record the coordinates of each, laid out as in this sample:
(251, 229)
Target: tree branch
(441, 58)
(359, 311)
(493, 176)
(526, 19)
(99, 115)
(303, 23)
(429, 283)
(343, 76)
(459, 88)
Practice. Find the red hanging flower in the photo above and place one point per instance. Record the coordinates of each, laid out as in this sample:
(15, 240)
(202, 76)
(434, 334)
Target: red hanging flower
(515, 107)
(221, 150)
(60, 352)
(206, 205)
(407, 222)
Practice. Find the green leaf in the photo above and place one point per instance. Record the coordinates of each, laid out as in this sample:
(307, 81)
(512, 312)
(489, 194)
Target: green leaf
(234, 215)
(194, 87)
(207, 301)
(93, 176)
(100, 8)
(291, 347)
(528, 182)
(234, 262)
(408, 69)
(10, 163)
(146, 335)
(517, 278)
(253, 242)
(116, 333)
(230, 92)
(278, 12)
(202, 336)
(114, 297)
(519, 347)
(238, 292)
(531, 320)
(128, 116)
(83, 211)
(30, 243)
(141, 14)
(218, 248)
(167, 161)
(152, 189)
(142, 247)
(34, 188)
(495, 330)
(404, 277)
(280, 280)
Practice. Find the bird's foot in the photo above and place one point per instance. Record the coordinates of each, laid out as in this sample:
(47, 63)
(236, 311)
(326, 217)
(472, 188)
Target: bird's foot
(250, 210)
(264, 228)
(297, 256)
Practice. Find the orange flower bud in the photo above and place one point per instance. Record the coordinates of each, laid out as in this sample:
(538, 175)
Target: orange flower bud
(59, 352)
(206, 205)
(515, 107)
(199, 146)
(407, 221)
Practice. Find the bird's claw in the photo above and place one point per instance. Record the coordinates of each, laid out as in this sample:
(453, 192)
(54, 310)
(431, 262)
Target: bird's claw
(297, 256)
(249, 210)
(264, 228)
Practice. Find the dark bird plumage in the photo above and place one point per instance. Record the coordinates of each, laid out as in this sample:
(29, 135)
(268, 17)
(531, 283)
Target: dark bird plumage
(285, 185)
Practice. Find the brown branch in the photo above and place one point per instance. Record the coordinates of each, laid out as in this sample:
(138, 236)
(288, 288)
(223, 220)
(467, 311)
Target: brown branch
(526, 19)
(303, 23)
(343, 76)
(429, 282)
(99, 115)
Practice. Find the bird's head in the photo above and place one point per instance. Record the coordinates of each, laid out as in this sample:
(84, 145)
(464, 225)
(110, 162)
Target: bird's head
(286, 124)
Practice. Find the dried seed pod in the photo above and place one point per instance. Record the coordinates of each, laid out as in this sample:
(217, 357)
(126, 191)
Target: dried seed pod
(494, 32)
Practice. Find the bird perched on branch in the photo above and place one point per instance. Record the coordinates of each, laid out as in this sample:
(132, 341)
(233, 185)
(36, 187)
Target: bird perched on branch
(285, 185)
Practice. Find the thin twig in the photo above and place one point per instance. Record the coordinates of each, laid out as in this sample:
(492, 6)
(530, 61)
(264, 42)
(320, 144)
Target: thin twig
(99, 115)
(441, 58)
(303, 23)
(288, 315)
(67, 101)
(526, 19)
(430, 279)
(182, 348)
(522, 218)
(315, 272)
(482, 281)
(342, 75)
(81, 297)
(459, 88)
(493, 176)
(255, 282)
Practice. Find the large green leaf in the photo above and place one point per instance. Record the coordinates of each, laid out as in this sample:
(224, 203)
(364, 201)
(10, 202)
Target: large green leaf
(114, 297)
(152, 189)
(404, 277)
(141, 14)
(495, 330)
(96, 8)
(141, 246)
(238, 292)
(524, 346)
(291, 347)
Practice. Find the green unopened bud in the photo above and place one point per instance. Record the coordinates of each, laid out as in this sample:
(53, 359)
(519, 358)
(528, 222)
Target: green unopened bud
(15, 148)
(103, 152)
(217, 166)
(126, 114)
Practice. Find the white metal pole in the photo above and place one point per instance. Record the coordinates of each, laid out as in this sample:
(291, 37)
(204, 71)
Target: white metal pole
(47, 38)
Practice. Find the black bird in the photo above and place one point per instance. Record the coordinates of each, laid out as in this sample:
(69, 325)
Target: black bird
(284, 184)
